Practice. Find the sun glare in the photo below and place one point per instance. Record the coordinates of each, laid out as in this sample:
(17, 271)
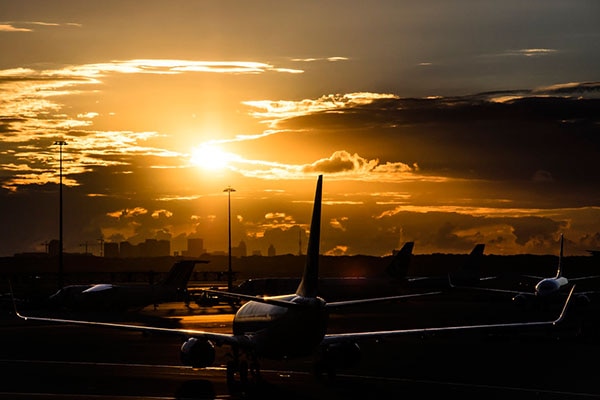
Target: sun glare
(210, 157)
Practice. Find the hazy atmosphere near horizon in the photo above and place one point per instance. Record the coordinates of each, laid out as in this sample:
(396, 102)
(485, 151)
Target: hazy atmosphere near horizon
(446, 123)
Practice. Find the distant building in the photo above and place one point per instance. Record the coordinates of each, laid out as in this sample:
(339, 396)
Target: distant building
(271, 251)
(195, 247)
(111, 249)
(240, 250)
(155, 248)
(127, 250)
(54, 247)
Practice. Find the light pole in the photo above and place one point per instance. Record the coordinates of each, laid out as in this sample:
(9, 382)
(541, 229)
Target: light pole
(229, 189)
(60, 144)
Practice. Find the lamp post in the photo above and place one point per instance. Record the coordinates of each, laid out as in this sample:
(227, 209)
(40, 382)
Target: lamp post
(60, 144)
(229, 189)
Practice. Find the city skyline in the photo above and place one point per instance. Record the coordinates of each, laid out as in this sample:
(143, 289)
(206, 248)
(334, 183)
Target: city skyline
(153, 248)
(443, 123)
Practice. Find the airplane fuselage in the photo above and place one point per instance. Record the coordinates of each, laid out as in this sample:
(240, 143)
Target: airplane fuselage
(280, 332)
(113, 297)
(550, 286)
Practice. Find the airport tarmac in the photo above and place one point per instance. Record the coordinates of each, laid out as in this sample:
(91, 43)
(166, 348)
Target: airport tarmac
(52, 361)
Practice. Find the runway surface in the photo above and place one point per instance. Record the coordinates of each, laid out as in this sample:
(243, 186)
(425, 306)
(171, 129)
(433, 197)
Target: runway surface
(57, 361)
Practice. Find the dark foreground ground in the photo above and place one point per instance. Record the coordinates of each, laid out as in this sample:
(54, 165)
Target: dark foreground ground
(40, 360)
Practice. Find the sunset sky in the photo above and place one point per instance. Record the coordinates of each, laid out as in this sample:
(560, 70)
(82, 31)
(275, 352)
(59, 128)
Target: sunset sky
(446, 123)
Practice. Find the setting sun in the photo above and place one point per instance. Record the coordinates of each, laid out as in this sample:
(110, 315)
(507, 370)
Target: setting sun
(210, 157)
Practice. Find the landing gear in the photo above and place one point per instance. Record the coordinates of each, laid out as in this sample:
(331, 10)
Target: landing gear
(243, 369)
(231, 368)
(246, 371)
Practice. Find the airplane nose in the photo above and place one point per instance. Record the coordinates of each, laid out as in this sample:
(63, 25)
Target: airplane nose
(546, 287)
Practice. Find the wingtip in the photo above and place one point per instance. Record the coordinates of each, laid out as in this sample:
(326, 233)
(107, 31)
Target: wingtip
(14, 302)
(563, 313)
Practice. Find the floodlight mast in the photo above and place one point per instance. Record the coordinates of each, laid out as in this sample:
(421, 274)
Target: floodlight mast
(229, 189)
(60, 144)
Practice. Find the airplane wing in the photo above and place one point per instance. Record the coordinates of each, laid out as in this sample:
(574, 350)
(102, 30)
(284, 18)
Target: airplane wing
(356, 336)
(488, 289)
(536, 277)
(285, 300)
(246, 341)
(217, 338)
(581, 278)
(340, 304)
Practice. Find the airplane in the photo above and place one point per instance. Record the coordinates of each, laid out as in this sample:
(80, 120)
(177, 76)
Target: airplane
(112, 297)
(545, 288)
(330, 289)
(467, 273)
(288, 326)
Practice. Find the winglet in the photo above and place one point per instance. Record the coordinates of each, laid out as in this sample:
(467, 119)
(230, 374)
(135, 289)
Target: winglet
(450, 283)
(308, 284)
(559, 271)
(563, 313)
(12, 296)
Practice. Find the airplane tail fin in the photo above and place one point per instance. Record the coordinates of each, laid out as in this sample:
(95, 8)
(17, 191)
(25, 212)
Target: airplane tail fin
(470, 272)
(308, 284)
(398, 267)
(475, 257)
(180, 274)
(559, 271)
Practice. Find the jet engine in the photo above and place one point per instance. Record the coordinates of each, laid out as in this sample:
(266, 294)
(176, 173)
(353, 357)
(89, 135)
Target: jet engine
(198, 353)
(582, 300)
(520, 300)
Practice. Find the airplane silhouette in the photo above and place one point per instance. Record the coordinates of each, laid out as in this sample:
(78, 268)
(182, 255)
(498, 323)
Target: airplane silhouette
(546, 288)
(113, 297)
(287, 326)
(467, 273)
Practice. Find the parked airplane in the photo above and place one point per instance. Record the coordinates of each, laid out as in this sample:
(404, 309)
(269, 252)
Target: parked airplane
(467, 273)
(112, 297)
(288, 326)
(545, 288)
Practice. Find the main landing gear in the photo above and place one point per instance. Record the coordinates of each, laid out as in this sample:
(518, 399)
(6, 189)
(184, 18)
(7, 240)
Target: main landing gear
(245, 371)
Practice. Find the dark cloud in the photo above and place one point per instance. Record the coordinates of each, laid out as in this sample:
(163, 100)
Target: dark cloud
(7, 125)
(472, 136)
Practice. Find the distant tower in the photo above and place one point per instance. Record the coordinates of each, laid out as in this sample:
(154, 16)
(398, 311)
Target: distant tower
(271, 251)
(53, 247)
(101, 241)
(300, 242)
(195, 247)
(240, 250)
